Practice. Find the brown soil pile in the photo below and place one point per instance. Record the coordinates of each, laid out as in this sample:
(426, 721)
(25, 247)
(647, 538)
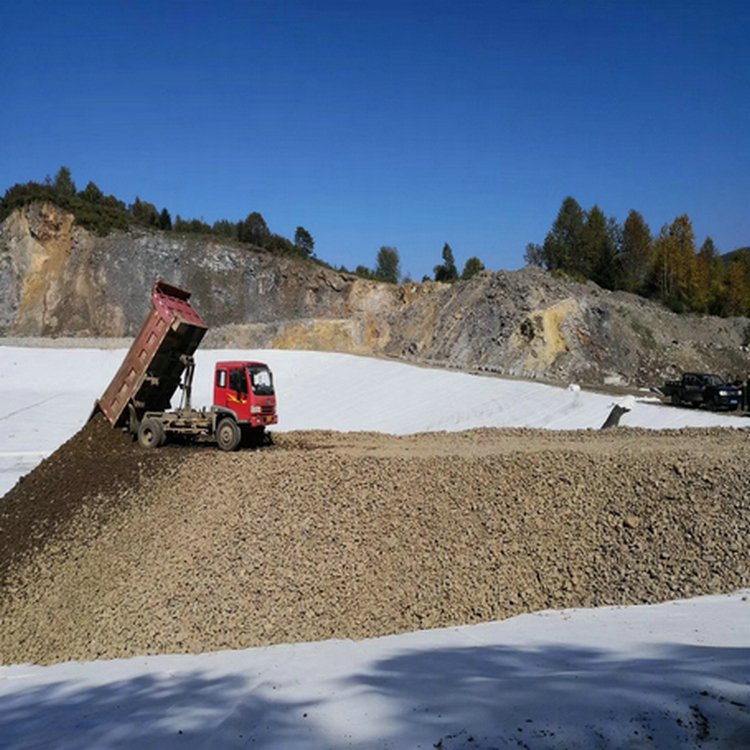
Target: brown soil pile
(94, 472)
(329, 535)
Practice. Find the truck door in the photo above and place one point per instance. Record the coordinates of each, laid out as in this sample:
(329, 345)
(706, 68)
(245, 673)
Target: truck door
(692, 388)
(237, 393)
(220, 387)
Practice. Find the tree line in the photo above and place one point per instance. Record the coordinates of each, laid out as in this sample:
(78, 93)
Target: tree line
(388, 267)
(104, 213)
(581, 244)
(669, 267)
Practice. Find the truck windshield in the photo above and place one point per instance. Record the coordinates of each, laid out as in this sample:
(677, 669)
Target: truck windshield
(714, 380)
(261, 380)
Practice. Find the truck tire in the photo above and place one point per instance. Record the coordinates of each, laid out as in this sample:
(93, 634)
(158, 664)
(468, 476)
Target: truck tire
(228, 435)
(151, 433)
(675, 399)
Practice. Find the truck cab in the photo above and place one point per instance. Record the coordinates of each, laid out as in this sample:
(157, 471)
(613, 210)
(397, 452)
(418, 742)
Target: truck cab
(246, 388)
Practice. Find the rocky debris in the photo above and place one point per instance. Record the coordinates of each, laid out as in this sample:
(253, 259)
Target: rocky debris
(92, 473)
(335, 535)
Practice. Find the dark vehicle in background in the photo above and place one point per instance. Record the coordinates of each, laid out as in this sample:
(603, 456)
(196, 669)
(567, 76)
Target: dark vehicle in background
(702, 389)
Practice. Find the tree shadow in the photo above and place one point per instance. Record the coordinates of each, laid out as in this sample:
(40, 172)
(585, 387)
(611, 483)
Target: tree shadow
(564, 697)
(450, 698)
(147, 711)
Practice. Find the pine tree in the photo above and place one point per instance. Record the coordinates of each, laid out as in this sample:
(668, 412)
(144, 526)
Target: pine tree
(388, 266)
(637, 247)
(597, 257)
(64, 184)
(165, 220)
(447, 271)
(92, 194)
(563, 244)
(303, 241)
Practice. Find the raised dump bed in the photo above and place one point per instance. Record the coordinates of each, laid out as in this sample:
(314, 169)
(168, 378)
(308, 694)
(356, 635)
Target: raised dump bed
(153, 367)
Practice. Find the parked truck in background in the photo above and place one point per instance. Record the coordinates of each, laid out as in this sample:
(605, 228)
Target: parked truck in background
(160, 361)
(702, 389)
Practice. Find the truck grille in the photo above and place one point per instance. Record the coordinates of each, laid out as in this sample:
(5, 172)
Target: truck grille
(266, 410)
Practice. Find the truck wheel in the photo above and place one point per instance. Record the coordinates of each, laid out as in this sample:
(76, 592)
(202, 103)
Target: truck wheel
(151, 433)
(675, 399)
(228, 434)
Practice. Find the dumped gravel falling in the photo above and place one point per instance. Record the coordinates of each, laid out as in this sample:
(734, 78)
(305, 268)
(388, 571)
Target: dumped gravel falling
(111, 551)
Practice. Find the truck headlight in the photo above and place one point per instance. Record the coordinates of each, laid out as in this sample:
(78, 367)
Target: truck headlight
(723, 393)
(255, 409)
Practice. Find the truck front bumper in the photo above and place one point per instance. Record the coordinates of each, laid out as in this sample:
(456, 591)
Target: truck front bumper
(262, 420)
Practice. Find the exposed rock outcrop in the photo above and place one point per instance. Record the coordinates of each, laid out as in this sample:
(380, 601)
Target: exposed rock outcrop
(61, 280)
(57, 279)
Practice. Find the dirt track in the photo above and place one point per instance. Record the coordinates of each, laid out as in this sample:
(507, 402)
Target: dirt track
(331, 535)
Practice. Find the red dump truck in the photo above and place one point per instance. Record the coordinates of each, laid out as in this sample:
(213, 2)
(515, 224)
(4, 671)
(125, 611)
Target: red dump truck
(161, 360)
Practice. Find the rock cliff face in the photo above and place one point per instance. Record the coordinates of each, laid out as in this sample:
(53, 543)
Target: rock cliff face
(57, 279)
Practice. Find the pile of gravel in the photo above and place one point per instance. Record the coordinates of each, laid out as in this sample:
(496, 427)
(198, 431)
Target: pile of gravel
(332, 535)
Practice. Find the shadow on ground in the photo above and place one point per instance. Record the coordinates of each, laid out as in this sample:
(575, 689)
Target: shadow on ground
(148, 711)
(449, 698)
(562, 697)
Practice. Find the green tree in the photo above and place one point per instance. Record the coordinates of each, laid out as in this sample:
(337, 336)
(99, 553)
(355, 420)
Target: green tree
(593, 237)
(145, 212)
(597, 257)
(64, 184)
(563, 244)
(709, 276)
(111, 202)
(447, 270)
(91, 194)
(191, 226)
(225, 228)
(637, 248)
(303, 241)
(471, 268)
(388, 267)
(276, 243)
(165, 220)
(254, 230)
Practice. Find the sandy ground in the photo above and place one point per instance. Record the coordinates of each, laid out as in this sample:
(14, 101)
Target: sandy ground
(335, 535)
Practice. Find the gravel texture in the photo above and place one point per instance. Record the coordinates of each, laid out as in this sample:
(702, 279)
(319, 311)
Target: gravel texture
(334, 535)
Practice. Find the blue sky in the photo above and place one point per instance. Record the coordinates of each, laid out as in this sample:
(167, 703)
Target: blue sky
(402, 123)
